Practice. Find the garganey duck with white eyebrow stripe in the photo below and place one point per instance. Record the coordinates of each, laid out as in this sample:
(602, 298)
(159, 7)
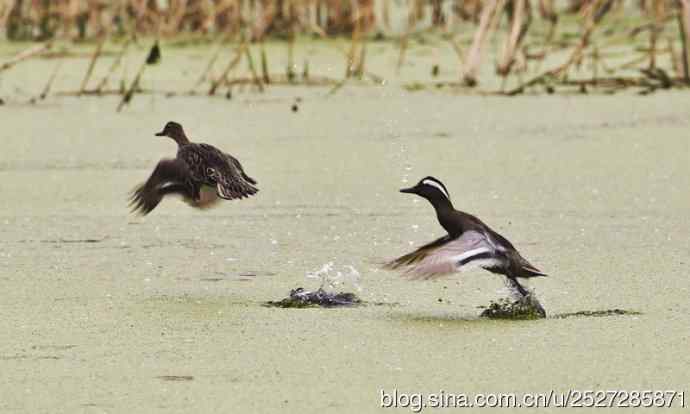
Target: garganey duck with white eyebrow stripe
(201, 173)
(469, 243)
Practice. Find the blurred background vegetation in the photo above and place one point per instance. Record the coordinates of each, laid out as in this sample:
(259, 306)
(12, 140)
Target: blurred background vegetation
(611, 37)
(42, 19)
(80, 19)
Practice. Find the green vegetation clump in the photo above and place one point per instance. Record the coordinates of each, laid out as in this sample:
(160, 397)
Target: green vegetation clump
(300, 298)
(524, 308)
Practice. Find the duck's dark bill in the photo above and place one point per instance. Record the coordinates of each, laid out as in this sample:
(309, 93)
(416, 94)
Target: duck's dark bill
(160, 134)
(411, 190)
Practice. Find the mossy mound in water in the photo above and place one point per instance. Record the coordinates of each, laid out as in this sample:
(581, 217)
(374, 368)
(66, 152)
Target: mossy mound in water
(527, 307)
(300, 298)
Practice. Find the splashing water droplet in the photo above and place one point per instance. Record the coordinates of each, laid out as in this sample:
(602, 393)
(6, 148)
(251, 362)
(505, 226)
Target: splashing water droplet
(331, 277)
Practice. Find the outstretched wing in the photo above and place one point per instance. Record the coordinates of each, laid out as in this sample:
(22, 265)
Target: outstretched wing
(171, 176)
(417, 255)
(234, 161)
(447, 255)
(231, 181)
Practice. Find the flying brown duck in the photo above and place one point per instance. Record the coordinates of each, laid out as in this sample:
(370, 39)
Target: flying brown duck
(469, 243)
(201, 174)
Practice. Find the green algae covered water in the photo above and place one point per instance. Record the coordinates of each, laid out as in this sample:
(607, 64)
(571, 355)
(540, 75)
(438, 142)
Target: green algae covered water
(103, 311)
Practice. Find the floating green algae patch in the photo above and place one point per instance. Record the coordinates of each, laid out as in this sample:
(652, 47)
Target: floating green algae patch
(599, 313)
(524, 308)
(175, 377)
(300, 298)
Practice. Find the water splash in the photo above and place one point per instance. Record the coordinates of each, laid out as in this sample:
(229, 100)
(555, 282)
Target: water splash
(332, 276)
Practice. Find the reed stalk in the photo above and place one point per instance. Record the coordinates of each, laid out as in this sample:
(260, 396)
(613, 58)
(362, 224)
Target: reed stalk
(92, 63)
(152, 58)
(473, 59)
(684, 26)
(113, 67)
(25, 55)
(223, 78)
(49, 84)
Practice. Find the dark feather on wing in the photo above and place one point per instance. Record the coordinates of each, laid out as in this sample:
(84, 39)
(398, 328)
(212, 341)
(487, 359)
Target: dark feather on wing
(171, 176)
(213, 167)
(238, 165)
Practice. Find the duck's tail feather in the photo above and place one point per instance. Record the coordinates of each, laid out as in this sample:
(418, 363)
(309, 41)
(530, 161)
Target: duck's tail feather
(249, 179)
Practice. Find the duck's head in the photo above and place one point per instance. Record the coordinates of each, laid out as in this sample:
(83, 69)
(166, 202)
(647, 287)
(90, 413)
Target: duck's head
(173, 130)
(430, 188)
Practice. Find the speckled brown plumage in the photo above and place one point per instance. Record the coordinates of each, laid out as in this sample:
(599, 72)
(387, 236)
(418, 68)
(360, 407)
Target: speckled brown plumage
(200, 173)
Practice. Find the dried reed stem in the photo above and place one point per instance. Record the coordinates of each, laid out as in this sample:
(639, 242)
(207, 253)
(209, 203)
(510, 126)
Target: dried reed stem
(359, 69)
(596, 11)
(48, 86)
(252, 70)
(26, 54)
(548, 12)
(116, 63)
(264, 66)
(517, 31)
(411, 22)
(658, 13)
(290, 69)
(684, 25)
(129, 92)
(223, 78)
(474, 54)
(94, 57)
(675, 62)
(351, 59)
(212, 61)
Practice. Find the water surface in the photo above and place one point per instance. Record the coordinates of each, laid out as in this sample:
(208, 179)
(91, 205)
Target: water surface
(107, 312)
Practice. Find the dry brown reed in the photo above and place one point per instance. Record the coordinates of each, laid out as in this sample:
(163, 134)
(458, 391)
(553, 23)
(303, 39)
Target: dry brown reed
(524, 43)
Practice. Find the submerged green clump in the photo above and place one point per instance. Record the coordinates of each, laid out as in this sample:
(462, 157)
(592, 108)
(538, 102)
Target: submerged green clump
(300, 298)
(599, 313)
(527, 307)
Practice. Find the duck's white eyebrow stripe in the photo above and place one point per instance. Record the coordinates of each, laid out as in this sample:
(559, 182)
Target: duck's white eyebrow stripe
(437, 185)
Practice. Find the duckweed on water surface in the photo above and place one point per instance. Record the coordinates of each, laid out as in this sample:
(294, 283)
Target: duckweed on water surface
(599, 313)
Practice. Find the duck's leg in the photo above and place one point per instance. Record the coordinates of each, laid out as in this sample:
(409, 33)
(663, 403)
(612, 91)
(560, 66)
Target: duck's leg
(527, 298)
(514, 284)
